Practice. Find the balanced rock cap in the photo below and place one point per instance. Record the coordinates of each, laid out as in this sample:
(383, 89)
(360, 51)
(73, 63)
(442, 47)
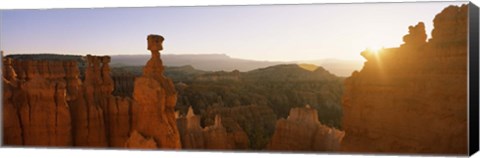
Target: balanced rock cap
(155, 42)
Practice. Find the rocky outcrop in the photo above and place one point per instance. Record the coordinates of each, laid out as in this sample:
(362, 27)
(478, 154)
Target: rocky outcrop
(137, 141)
(153, 112)
(412, 99)
(12, 129)
(302, 131)
(214, 136)
(123, 84)
(191, 132)
(46, 103)
(36, 110)
(99, 118)
(118, 116)
(53, 91)
(88, 115)
(257, 122)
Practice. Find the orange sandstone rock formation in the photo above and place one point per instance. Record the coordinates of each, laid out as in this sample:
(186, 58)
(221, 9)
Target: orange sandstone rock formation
(12, 130)
(215, 136)
(137, 141)
(88, 115)
(302, 131)
(412, 99)
(123, 84)
(248, 126)
(45, 103)
(191, 132)
(36, 110)
(153, 112)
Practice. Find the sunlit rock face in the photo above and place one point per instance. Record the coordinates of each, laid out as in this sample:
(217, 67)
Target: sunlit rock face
(302, 131)
(412, 99)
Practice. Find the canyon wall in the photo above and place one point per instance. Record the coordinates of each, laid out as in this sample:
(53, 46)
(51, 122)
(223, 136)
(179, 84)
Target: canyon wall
(302, 131)
(412, 99)
(36, 112)
(46, 103)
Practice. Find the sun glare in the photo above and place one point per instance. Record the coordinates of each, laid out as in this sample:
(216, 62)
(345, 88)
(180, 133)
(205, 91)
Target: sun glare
(309, 67)
(375, 49)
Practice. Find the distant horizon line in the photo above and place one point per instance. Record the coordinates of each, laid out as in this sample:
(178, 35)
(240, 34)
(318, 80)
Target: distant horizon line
(191, 54)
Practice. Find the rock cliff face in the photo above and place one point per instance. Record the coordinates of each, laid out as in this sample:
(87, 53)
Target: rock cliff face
(45, 103)
(36, 111)
(412, 99)
(123, 84)
(12, 130)
(88, 115)
(302, 131)
(214, 136)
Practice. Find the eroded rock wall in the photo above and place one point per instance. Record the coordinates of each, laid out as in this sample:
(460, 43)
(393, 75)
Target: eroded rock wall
(46, 103)
(412, 99)
(12, 129)
(36, 110)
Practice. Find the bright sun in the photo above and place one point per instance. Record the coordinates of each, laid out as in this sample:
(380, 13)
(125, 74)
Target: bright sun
(375, 49)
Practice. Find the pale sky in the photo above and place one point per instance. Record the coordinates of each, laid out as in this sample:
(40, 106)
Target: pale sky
(267, 32)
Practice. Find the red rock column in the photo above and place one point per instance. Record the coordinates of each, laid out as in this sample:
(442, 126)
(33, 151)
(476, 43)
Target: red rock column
(155, 97)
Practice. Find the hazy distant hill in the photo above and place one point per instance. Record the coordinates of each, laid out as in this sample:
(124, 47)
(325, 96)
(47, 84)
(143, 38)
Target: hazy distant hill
(219, 62)
(206, 62)
(337, 66)
(290, 72)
